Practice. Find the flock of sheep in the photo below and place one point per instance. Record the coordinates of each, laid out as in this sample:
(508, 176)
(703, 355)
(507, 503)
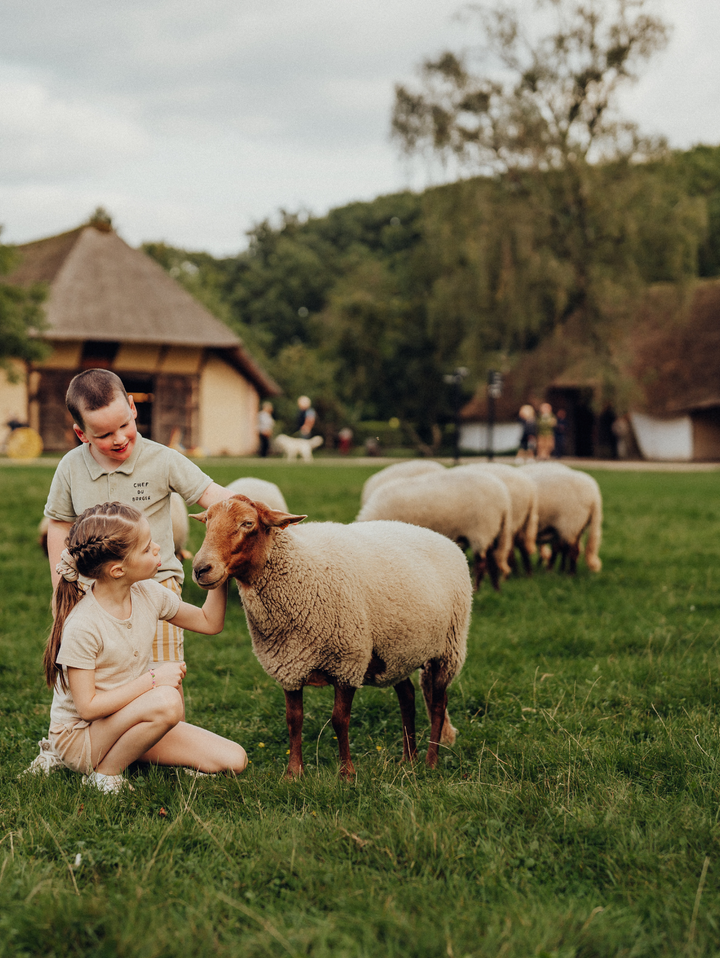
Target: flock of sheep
(368, 603)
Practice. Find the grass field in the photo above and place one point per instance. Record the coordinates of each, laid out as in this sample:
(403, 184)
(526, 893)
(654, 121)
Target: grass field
(577, 815)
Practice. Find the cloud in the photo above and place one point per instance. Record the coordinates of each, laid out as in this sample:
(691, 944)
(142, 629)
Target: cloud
(48, 136)
(190, 121)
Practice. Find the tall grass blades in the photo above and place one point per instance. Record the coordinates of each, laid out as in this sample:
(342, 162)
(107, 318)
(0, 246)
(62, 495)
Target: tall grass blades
(577, 815)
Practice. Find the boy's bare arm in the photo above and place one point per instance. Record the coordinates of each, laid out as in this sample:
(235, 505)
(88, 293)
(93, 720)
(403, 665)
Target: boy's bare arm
(214, 493)
(56, 536)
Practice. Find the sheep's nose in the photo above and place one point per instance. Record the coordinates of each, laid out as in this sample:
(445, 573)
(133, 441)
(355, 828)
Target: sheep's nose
(200, 571)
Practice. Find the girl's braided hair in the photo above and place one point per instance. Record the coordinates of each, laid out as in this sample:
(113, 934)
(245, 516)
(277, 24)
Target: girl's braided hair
(100, 535)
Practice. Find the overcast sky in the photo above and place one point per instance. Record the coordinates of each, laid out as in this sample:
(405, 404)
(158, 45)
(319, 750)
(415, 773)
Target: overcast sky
(191, 120)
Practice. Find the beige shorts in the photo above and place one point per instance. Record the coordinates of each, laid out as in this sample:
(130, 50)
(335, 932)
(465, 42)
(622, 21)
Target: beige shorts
(169, 639)
(72, 745)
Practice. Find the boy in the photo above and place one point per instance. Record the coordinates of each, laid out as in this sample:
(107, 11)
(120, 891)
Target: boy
(115, 463)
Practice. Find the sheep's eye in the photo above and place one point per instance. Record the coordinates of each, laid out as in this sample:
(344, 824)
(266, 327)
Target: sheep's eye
(248, 524)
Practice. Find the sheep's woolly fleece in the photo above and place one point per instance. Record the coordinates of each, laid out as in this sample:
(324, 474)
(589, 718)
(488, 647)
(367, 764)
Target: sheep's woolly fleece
(399, 470)
(523, 499)
(457, 503)
(331, 595)
(259, 489)
(569, 502)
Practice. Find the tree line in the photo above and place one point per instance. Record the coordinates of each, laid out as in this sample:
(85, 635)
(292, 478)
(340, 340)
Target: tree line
(562, 214)
(367, 309)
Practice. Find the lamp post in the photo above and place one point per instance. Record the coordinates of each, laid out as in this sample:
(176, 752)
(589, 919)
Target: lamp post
(455, 379)
(494, 391)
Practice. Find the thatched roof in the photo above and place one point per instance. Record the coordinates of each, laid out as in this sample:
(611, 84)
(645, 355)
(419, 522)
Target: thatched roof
(102, 289)
(666, 359)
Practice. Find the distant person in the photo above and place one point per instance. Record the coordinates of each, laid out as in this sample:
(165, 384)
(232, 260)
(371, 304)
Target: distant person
(545, 431)
(345, 438)
(306, 417)
(560, 433)
(622, 431)
(266, 424)
(528, 437)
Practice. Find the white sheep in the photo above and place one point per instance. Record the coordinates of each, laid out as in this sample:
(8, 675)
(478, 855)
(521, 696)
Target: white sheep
(294, 447)
(261, 489)
(569, 502)
(399, 470)
(524, 505)
(344, 605)
(470, 508)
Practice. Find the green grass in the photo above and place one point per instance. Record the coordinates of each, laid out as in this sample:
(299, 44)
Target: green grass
(578, 814)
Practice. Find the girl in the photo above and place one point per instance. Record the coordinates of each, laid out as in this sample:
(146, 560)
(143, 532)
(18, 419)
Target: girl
(110, 707)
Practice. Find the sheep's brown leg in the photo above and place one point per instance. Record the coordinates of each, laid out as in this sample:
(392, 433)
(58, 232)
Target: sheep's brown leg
(435, 689)
(406, 697)
(524, 555)
(573, 553)
(479, 570)
(294, 717)
(344, 695)
(493, 570)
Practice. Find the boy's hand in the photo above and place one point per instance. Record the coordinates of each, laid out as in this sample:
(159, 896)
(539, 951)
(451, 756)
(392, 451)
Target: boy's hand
(170, 673)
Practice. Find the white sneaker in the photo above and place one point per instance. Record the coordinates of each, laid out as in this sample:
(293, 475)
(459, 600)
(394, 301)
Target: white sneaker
(107, 783)
(45, 762)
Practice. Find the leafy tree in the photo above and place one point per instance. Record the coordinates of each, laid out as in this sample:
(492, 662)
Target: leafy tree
(21, 317)
(538, 116)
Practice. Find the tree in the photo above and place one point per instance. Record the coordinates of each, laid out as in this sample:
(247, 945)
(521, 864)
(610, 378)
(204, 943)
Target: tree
(539, 119)
(21, 317)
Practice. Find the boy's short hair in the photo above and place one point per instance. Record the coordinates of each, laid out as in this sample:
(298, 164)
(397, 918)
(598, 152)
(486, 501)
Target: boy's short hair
(90, 390)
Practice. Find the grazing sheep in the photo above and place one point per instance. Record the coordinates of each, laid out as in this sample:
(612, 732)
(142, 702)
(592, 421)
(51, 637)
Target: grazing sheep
(344, 605)
(294, 448)
(524, 505)
(399, 470)
(261, 489)
(471, 508)
(569, 502)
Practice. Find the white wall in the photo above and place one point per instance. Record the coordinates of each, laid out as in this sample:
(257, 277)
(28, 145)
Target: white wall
(474, 436)
(228, 411)
(663, 438)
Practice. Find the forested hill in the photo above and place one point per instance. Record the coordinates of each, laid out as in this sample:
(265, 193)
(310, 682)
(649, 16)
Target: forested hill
(366, 309)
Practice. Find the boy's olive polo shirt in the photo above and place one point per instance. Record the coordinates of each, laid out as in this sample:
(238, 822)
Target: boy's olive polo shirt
(145, 481)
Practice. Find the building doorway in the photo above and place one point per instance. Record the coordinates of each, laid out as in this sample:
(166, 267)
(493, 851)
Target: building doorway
(581, 434)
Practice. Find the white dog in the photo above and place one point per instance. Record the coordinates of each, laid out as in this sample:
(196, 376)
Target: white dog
(293, 448)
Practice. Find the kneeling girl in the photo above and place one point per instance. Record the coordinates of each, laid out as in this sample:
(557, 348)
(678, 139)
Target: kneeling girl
(110, 707)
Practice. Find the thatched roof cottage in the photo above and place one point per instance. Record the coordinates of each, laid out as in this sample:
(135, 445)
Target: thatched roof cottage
(666, 383)
(112, 306)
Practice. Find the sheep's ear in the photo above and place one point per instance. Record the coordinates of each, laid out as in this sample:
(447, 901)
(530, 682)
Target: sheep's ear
(277, 519)
(200, 516)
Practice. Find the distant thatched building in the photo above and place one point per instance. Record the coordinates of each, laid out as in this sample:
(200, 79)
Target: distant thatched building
(112, 306)
(667, 383)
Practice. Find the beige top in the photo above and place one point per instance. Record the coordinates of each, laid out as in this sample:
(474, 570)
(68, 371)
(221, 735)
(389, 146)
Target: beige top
(145, 481)
(117, 649)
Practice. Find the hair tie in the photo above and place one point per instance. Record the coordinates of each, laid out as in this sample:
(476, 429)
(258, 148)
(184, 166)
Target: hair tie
(67, 567)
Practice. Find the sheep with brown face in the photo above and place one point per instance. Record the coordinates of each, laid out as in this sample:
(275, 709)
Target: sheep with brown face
(344, 605)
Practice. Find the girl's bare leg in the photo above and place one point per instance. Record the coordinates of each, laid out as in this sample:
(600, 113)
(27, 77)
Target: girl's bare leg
(196, 748)
(127, 734)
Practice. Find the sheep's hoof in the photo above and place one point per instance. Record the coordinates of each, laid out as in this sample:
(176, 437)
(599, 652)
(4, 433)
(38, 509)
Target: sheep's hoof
(294, 772)
(348, 772)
